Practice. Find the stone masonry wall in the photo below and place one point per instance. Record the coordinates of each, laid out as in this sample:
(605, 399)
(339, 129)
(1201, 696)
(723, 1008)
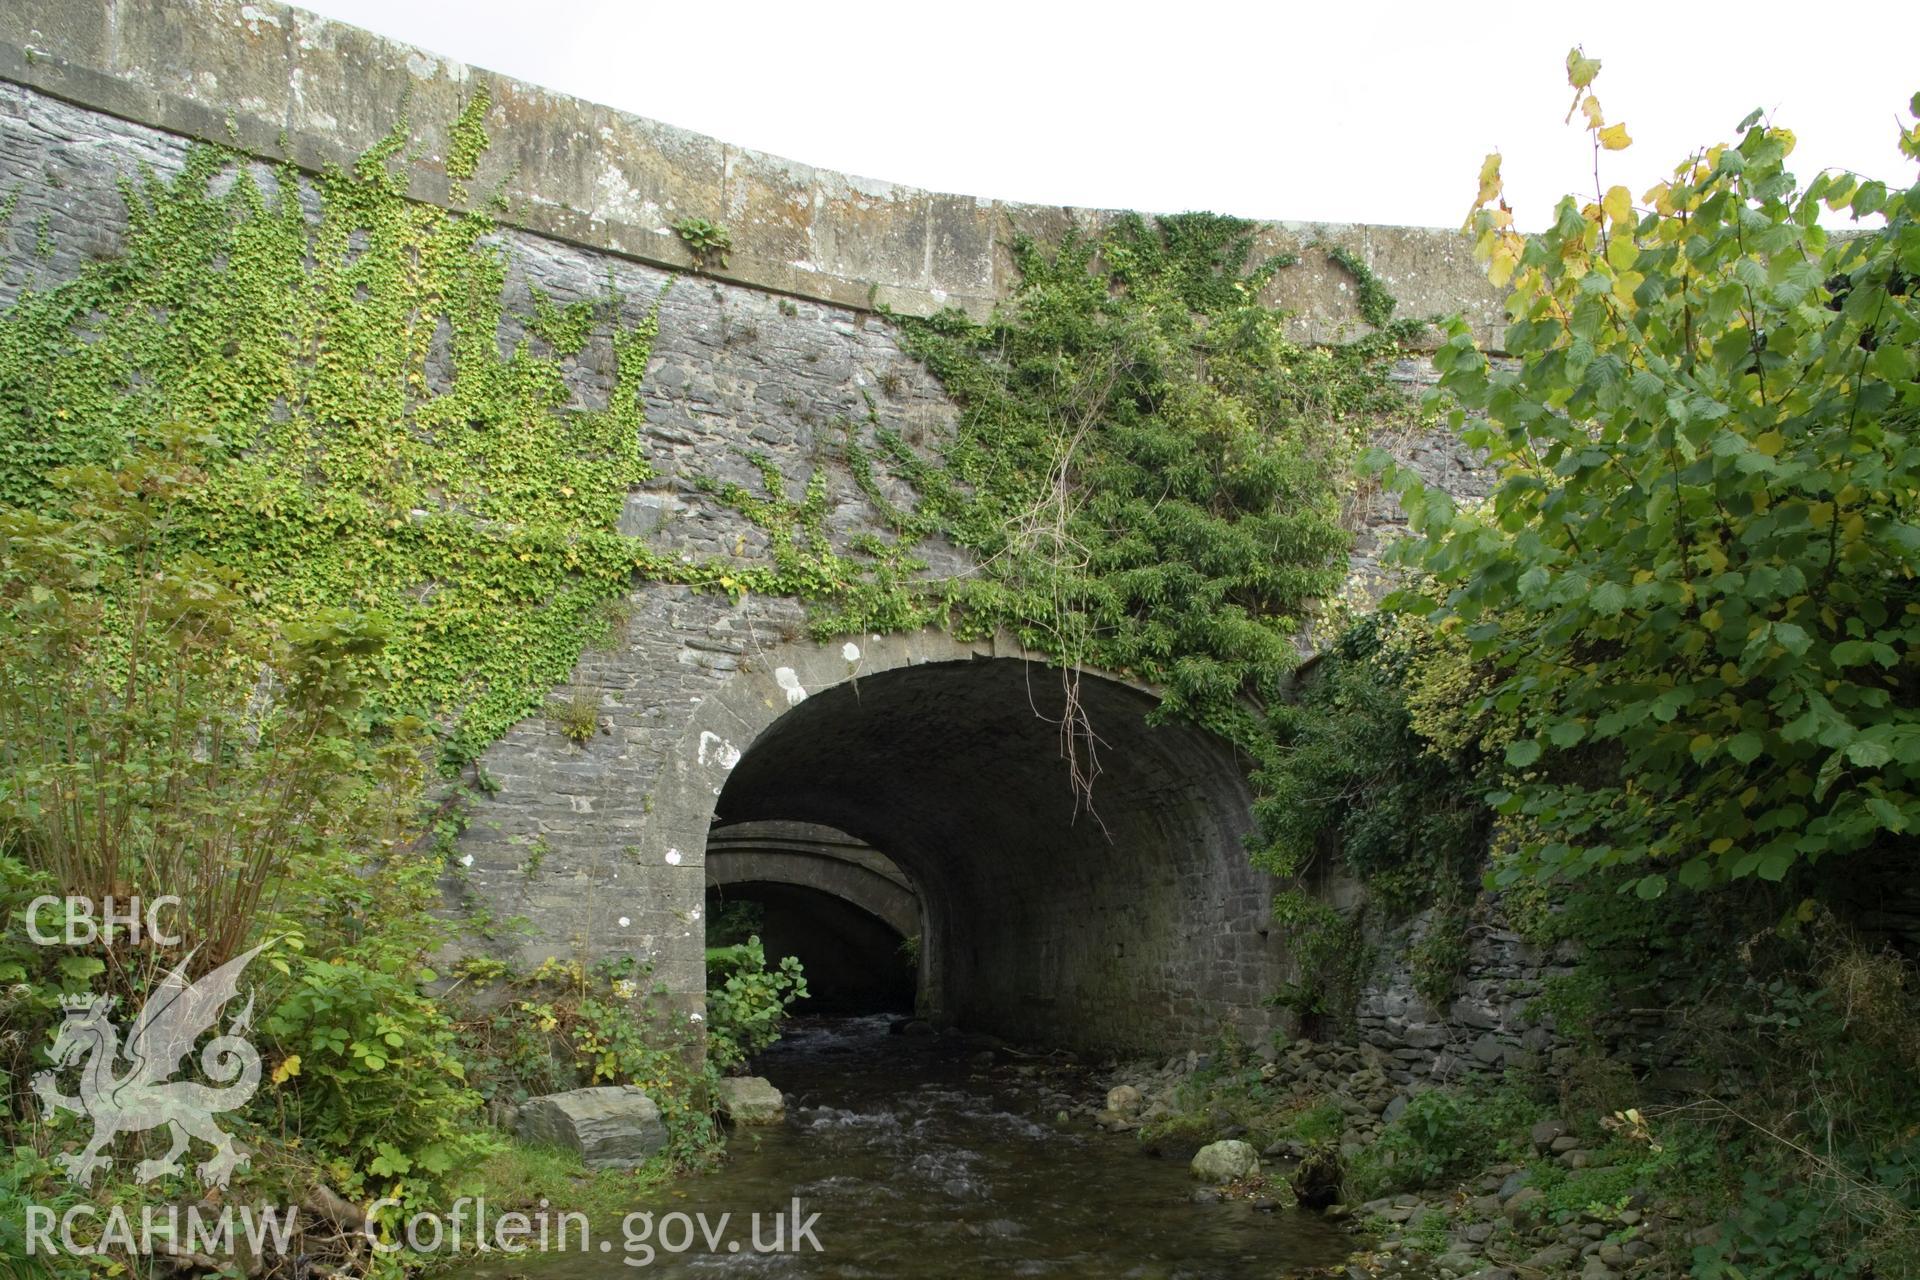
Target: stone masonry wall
(776, 361)
(282, 83)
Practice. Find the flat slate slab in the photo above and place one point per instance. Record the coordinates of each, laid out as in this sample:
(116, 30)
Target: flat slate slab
(611, 1126)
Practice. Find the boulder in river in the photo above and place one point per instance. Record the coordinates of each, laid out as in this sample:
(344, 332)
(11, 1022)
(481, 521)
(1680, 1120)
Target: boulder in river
(751, 1100)
(1225, 1161)
(1316, 1183)
(611, 1126)
(1123, 1100)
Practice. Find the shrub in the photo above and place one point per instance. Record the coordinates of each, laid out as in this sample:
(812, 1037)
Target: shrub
(1441, 1134)
(566, 1026)
(369, 1080)
(1698, 566)
(747, 1001)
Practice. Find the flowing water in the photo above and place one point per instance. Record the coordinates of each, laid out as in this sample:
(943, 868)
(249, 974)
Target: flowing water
(931, 1157)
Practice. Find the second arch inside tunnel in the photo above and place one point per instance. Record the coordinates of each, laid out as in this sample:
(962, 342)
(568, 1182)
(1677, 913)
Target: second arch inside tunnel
(843, 909)
(1039, 919)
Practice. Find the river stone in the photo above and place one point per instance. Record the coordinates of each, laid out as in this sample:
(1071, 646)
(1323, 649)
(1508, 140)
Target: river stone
(1225, 1161)
(1546, 1131)
(1551, 1258)
(611, 1126)
(1525, 1204)
(1123, 1100)
(751, 1100)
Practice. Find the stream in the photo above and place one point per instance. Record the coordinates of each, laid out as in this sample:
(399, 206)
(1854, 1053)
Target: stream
(931, 1156)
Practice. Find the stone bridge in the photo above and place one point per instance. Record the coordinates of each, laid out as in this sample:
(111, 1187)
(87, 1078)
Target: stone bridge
(1135, 922)
(811, 856)
(843, 908)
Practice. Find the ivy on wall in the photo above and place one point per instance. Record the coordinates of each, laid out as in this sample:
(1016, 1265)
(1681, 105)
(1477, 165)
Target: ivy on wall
(1149, 474)
(370, 439)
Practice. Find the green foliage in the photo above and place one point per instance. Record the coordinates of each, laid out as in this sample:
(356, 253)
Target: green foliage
(476, 514)
(368, 1078)
(1331, 961)
(577, 717)
(1354, 783)
(1351, 775)
(1696, 575)
(1377, 305)
(1148, 470)
(28, 1179)
(732, 923)
(710, 242)
(1439, 956)
(162, 737)
(747, 1001)
(565, 1026)
(1778, 1232)
(159, 737)
(1442, 1134)
(526, 1178)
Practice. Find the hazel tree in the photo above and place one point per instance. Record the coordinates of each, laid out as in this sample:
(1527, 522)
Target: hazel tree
(1695, 576)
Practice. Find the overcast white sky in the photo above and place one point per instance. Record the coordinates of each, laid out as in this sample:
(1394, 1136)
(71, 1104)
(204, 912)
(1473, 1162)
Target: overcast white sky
(1351, 112)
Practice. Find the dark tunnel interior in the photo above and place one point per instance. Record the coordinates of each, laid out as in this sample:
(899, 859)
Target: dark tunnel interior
(854, 961)
(1045, 920)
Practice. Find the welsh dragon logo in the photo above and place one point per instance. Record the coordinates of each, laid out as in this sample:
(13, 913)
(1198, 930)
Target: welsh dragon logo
(144, 1096)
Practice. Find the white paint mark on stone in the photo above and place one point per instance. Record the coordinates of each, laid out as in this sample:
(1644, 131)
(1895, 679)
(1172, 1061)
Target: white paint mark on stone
(715, 749)
(624, 922)
(673, 857)
(466, 859)
(786, 679)
(850, 651)
(696, 1016)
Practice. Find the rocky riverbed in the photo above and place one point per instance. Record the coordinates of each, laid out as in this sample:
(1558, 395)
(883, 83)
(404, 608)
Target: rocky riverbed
(1511, 1214)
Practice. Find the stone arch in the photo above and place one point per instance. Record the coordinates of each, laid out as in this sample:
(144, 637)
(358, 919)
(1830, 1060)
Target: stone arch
(814, 857)
(1118, 929)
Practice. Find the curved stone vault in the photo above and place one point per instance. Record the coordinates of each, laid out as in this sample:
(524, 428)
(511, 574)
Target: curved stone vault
(1118, 926)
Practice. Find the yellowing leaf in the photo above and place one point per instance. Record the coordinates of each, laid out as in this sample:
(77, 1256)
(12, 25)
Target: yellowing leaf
(1614, 137)
(1504, 258)
(1581, 69)
(1619, 205)
(289, 1067)
(1489, 179)
(1770, 443)
(1592, 109)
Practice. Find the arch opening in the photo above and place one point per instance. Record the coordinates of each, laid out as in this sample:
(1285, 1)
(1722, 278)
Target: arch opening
(855, 962)
(1119, 927)
(842, 908)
